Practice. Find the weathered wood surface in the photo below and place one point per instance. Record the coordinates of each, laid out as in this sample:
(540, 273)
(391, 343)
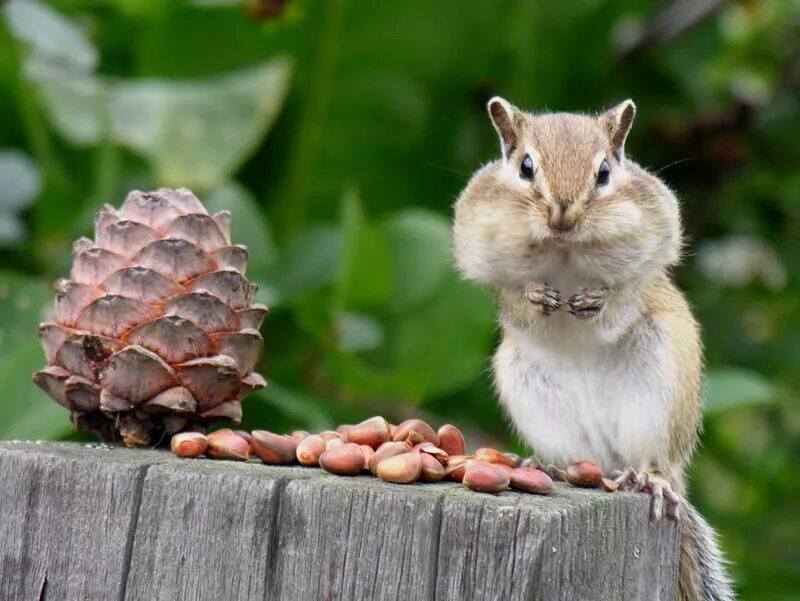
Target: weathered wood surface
(80, 523)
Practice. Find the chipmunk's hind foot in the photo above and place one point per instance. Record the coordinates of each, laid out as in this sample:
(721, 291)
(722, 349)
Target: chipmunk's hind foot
(665, 501)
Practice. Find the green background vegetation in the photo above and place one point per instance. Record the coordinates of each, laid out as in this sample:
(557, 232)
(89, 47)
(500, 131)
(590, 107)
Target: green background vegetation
(339, 133)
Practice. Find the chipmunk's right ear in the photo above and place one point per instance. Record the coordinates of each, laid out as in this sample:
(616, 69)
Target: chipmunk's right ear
(502, 113)
(617, 123)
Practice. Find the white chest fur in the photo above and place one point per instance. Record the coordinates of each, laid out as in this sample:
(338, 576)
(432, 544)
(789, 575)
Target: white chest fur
(587, 399)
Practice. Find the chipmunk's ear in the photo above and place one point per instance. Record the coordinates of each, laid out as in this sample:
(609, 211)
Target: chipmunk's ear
(503, 116)
(617, 123)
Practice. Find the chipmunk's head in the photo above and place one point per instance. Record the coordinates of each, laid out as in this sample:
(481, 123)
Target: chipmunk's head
(563, 182)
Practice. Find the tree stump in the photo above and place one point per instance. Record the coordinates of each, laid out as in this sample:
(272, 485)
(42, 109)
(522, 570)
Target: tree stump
(86, 522)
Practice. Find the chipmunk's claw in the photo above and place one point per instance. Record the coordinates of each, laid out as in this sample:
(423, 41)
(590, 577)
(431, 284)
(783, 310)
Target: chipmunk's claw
(555, 472)
(665, 501)
(587, 303)
(544, 296)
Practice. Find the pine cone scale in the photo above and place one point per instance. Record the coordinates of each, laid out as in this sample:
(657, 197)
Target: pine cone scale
(173, 338)
(95, 264)
(82, 394)
(126, 238)
(113, 315)
(231, 257)
(177, 259)
(211, 380)
(201, 230)
(142, 284)
(204, 309)
(52, 380)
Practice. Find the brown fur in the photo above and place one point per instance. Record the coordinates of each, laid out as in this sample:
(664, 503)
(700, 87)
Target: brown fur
(665, 304)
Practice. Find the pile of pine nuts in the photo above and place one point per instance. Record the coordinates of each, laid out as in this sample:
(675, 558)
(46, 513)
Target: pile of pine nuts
(411, 451)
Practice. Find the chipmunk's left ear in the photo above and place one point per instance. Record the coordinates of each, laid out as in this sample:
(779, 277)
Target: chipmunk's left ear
(617, 123)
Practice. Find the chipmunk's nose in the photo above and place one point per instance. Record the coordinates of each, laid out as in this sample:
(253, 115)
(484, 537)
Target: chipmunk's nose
(563, 217)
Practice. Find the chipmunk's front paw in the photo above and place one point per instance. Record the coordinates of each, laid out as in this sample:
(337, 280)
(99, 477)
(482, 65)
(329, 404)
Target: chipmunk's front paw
(666, 502)
(543, 296)
(587, 303)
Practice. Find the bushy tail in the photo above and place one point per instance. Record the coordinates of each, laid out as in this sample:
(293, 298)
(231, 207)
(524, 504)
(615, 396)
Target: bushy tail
(702, 573)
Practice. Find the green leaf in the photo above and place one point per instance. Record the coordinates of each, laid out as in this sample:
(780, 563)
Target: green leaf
(365, 268)
(733, 388)
(419, 243)
(367, 111)
(301, 407)
(309, 262)
(358, 332)
(446, 344)
(248, 225)
(24, 303)
(22, 180)
(215, 3)
(27, 412)
(196, 133)
(74, 102)
(50, 35)
(21, 183)
(11, 229)
(176, 45)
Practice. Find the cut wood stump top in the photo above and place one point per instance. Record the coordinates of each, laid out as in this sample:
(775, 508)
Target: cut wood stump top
(85, 522)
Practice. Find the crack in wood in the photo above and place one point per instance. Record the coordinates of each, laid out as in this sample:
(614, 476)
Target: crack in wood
(138, 493)
(436, 527)
(43, 591)
(273, 575)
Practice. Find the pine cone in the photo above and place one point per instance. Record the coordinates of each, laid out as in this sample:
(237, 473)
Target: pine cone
(155, 330)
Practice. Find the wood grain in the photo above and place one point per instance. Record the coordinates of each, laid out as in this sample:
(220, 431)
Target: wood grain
(136, 525)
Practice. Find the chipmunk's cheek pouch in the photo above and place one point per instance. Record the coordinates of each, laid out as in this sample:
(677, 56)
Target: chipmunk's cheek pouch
(618, 219)
(629, 214)
(480, 241)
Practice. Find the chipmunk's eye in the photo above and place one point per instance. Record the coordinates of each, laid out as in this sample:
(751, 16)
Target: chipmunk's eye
(526, 168)
(603, 173)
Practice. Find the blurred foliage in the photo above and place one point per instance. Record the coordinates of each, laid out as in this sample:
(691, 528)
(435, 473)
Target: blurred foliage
(339, 132)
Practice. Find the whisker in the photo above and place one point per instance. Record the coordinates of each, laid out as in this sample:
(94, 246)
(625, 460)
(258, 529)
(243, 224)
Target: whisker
(447, 168)
(673, 163)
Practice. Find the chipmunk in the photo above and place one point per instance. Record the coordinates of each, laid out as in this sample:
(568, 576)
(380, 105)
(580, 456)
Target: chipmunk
(600, 357)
